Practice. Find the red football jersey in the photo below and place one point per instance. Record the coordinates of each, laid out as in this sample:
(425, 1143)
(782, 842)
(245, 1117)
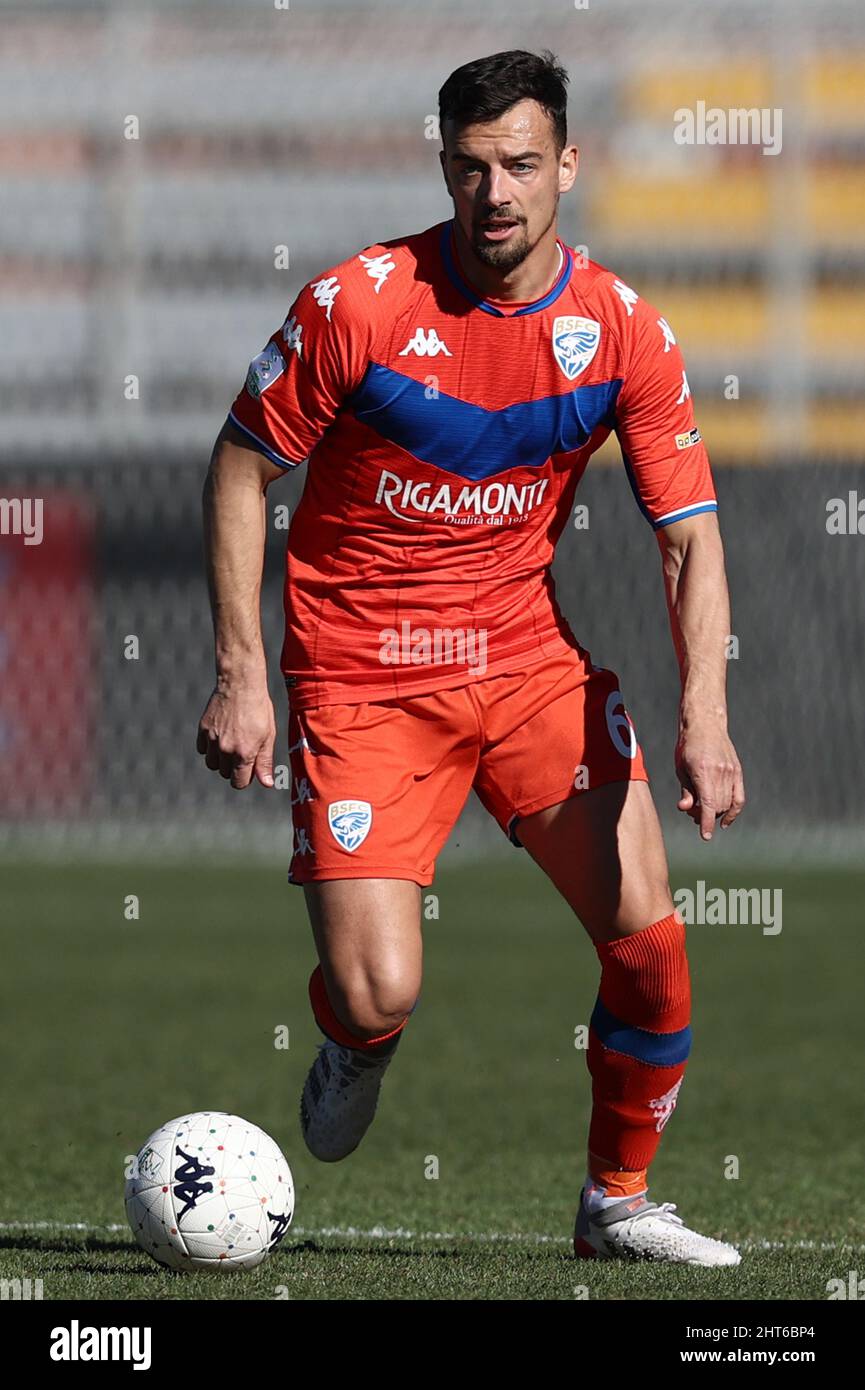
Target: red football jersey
(446, 435)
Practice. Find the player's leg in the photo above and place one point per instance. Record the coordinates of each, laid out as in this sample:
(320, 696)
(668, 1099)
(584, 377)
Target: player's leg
(362, 860)
(604, 852)
(370, 948)
(569, 784)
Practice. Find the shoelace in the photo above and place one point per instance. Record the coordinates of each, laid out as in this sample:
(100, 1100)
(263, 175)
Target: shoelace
(664, 1210)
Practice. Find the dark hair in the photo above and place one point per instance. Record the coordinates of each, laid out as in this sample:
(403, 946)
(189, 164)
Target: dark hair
(488, 87)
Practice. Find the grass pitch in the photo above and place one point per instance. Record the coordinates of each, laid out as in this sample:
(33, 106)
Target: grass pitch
(117, 1025)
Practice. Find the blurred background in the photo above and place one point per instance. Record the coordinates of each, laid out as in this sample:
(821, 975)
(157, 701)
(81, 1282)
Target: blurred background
(154, 156)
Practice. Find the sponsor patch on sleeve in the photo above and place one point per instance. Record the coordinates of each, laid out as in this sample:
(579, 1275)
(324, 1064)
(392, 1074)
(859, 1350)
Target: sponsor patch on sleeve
(264, 370)
(684, 441)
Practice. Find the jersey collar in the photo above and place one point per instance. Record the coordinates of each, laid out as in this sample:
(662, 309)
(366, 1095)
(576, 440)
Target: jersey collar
(450, 265)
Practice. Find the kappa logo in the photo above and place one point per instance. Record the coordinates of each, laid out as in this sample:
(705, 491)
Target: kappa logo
(281, 1224)
(303, 844)
(349, 823)
(575, 342)
(669, 335)
(264, 370)
(378, 268)
(188, 1186)
(427, 344)
(304, 792)
(665, 1105)
(292, 335)
(324, 292)
(628, 296)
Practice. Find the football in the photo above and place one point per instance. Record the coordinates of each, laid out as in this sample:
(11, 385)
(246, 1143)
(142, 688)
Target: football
(209, 1191)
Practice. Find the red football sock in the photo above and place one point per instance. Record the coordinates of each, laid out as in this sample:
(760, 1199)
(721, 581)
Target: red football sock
(639, 1041)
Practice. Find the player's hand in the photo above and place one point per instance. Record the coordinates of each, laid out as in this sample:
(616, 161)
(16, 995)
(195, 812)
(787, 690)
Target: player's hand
(236, 734)
(710, 776)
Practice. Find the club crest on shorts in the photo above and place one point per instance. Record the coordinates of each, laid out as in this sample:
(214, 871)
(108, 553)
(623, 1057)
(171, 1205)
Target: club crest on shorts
(349, 823)
(575, 342)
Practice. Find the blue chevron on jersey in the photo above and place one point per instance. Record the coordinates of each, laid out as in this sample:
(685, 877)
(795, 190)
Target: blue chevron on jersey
(473, 442)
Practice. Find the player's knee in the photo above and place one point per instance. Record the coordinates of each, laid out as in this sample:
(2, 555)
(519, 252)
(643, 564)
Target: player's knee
(371, 1006)
(645, 976)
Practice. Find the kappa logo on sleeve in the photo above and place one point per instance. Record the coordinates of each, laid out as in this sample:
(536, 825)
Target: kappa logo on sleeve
(264, 370)
(378, 268)
(684, 441)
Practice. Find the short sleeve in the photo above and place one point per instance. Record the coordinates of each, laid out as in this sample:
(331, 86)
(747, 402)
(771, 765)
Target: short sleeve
(663, 450)
(297, 384)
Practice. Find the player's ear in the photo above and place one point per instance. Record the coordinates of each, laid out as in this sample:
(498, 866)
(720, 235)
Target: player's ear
(569, 163)
(444, 164)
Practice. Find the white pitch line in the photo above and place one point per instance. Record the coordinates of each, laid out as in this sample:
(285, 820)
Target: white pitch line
(402, 1233)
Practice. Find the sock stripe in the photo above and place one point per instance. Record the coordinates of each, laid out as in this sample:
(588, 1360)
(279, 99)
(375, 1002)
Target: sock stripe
(658, 1049)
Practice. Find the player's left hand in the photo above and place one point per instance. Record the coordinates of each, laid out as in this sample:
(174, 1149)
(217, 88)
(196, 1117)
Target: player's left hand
(710, 776)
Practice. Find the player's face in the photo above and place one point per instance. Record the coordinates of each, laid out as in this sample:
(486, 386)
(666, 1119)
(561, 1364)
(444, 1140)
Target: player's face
(505, 179)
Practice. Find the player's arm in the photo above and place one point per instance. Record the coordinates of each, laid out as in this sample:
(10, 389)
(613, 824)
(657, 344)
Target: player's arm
(237, 730)
(669, 471)
(695, 583)
(294, 390)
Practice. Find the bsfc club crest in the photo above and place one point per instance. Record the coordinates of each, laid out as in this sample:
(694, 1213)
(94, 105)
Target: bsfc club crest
(575, 342)
(349, 823)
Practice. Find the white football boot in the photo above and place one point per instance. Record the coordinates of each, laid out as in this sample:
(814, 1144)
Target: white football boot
(637, 1229)
(339, 1098)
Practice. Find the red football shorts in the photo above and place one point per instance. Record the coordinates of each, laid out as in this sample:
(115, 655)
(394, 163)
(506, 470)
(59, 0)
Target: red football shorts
(377, 787)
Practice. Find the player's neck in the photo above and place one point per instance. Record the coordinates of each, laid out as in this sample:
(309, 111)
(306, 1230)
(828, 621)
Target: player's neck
(525, 283)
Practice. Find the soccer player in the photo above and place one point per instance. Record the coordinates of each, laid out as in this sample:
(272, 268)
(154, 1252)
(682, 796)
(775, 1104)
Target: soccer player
(448, 388)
